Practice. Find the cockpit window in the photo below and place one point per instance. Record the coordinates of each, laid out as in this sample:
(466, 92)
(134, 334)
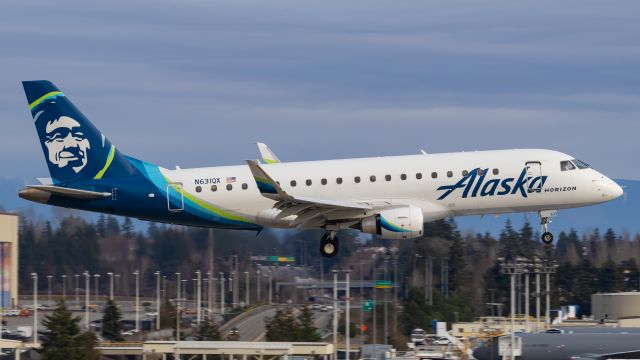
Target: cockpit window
(581, 164)
(566, 165)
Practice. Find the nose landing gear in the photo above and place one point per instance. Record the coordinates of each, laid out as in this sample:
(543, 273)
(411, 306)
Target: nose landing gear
(329, 244)
(546, 237)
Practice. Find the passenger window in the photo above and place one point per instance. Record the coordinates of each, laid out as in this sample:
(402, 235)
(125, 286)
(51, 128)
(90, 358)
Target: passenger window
(198, 188)
(245, 186)
(566, 165)
(434, 175)
(339, 180)
(449, 173)
(229, 187)
(293, 183)
(372, 178)
(465, 173)
(496, 171)
(214, 187)
(418, 176)
(480, 172)
(387, 177)
(403, 176)
(357, 179)
(308, 182)
(323, 181)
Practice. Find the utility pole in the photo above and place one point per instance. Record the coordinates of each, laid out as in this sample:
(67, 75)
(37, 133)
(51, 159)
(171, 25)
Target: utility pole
(110, 285)
(386, 300)
(64, 287)
(77, 289)
(526, 301)
(211, 273)
(270, 287)
(258, 299)
(96, 279)
(49, 281)
(375, 301)
(361, 304)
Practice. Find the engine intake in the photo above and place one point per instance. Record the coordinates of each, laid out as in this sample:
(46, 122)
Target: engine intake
(399, 223)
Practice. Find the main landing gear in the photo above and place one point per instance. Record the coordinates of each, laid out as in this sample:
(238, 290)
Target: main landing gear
(329, 244)
(547, 237)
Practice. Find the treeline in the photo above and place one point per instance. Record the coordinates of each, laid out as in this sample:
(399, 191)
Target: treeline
(588, 262)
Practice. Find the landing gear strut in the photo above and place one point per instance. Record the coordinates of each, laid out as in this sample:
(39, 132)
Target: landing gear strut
(329, 244)
(547, 237)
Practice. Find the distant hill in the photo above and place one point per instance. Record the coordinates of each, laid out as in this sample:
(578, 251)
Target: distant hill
(620, 214)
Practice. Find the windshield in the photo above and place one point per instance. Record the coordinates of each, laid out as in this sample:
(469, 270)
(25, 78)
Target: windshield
(580, 164)
(566, 165)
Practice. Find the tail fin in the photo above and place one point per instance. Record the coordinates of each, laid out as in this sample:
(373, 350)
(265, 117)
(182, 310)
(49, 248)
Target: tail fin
(73, 147)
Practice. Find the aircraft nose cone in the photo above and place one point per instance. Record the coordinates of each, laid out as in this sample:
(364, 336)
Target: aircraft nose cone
(617, 190)
(610, 189)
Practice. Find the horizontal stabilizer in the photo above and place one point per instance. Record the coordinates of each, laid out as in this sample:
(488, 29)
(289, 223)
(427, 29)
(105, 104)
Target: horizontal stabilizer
(41, 193)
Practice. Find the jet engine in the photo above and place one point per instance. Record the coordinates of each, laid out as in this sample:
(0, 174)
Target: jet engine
(400, 223)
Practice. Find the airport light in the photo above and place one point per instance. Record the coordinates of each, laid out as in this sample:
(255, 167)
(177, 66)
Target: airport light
(110, 285)
(157, 273)
(34, 276)
(137, 274)
(87, 278)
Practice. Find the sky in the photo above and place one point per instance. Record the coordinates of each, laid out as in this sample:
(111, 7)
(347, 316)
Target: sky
(197, 83)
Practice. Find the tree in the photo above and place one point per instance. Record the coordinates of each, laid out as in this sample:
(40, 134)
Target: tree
(208, 331)
(111, 327)
(61, 339)
(305, 327)
(281, 327)
(88, 342)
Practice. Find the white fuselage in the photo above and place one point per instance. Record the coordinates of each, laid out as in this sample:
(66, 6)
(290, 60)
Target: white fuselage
(538, 183)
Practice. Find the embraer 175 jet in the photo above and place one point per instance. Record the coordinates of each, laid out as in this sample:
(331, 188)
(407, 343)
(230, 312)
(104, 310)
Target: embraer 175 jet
(388, 196)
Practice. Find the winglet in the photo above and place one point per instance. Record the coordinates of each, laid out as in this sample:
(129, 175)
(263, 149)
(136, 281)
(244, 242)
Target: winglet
(267, 186)
(267, 155)
(423, 152)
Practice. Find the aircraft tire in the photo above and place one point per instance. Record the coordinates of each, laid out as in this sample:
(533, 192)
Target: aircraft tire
(547, 237)
(329, 246)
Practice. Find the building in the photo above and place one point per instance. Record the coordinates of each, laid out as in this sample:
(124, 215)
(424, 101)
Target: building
(615, 306)
(8, 260)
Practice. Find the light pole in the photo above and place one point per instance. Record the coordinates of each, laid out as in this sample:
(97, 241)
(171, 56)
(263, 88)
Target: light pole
(258, 299)
(335, 313)
(221, 277)
(34, 276)
(347, 315)
(513, 268)
(87, 278)
(198, 298)
(548, 268)
(137, 274)
(110, 285)
(178, 282)
(64, 287)
(117, 285)
(232, 287)
(77, 289)
(209, 295)
(270, 287)
(157, 273)
(246, 288)
(49, 281)
(96, 279)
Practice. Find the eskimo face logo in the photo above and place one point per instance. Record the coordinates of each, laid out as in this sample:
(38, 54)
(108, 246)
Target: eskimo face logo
(66, 143)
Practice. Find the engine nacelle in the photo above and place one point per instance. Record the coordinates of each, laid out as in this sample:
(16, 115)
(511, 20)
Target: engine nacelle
(400, 223)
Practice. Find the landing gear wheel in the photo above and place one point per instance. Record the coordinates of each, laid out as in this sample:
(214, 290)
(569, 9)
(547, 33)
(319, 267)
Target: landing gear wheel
(547, 237)
(329, 245)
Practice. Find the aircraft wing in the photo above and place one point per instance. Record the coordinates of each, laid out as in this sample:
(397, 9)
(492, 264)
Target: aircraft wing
(618, 355)
(267, 155)
(270, 188)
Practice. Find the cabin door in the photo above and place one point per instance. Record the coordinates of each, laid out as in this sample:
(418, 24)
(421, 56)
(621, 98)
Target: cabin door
(175, 197)
(534, 176)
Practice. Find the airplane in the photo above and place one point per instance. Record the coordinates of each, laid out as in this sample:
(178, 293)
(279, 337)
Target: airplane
(391, 197)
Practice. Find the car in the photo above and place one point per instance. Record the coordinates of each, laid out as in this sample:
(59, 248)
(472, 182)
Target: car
(315, 307)
(554, 331)
(233, 334)
(324, 308)
(441, 341)
(129, 332)
(151, 314)
(12, 312)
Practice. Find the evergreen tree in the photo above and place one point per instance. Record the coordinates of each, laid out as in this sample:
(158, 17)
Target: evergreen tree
(208, 331)
(459, 273)
(88, 342)
(305, 327)
(281, 327)
(111, 327)
(61, 338)
(127, 228)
